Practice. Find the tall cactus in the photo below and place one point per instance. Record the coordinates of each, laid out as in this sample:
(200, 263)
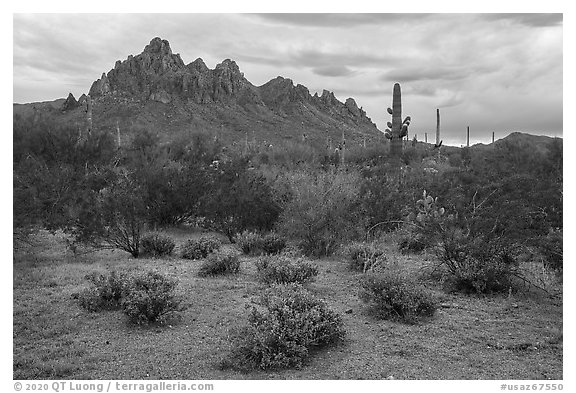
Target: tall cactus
(397, 129)
(438, 140)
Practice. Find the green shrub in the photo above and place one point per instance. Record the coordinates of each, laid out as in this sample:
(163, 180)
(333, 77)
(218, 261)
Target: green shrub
(284, 325)
(150, 298)
(254, 243)
(106, 293)
(157, 245)
(364, 256)
(391, 296)
(282, 269)
(201, 247)
(220, 262)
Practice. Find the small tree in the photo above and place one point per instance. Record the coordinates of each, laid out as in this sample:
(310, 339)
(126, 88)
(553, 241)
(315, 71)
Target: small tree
(113, 217)
(238, 199)
(324, 211)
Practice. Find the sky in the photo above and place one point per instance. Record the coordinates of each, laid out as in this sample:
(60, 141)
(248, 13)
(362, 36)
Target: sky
(491, 72)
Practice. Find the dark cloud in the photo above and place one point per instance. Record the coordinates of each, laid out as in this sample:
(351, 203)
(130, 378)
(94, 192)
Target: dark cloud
(319, 58)
(533, 20)
(369, 92)
(322, 62)
(421, 90)
(411, 74)
(333, 70)
(450, 73)
(337, 20)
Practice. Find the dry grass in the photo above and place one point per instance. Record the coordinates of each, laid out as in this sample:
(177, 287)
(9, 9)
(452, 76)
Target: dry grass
(468, 338)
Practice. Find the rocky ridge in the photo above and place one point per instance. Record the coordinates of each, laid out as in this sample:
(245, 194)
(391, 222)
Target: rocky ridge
(159, 75)
(156, 91)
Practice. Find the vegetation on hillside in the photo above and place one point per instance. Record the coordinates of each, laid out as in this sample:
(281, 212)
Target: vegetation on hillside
(105, 195)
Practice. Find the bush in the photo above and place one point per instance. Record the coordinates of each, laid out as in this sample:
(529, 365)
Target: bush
(112, 217)
(253, 243)
(364, 256)
(157, 245)
(282, 269)
(273, 244)
(551, 249)
(476, 266)
(150, 298)
(221, 262)
(412, 243)
(324, 211)
(283, 326)
(107, 291)
(392, 296)
(237, 199)
(249, 242)
(475, 258)
(200, 248)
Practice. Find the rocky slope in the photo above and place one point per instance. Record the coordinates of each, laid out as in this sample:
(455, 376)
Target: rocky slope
(156, 90)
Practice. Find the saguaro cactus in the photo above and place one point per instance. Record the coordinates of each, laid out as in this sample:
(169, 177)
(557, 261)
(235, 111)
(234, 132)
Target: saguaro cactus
(438, 141)
(397, 129)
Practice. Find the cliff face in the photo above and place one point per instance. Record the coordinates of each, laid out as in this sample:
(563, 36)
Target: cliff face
(157, 74)
(157, 91)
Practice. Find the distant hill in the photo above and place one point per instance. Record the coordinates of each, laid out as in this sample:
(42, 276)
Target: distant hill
(536, 143)
(157, 91)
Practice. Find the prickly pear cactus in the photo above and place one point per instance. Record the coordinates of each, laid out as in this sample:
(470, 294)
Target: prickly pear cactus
(397, 129)
(428, 208)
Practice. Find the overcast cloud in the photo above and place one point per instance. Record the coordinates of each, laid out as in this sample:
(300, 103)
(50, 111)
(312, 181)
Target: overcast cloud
(492, 72)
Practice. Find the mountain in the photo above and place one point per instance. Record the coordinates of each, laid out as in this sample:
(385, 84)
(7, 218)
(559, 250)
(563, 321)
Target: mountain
(156, 90)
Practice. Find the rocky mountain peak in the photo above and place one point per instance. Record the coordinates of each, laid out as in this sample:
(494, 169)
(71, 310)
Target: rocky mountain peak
(228, 65)
(158, 46)
(70, 103)
(157, 74)
(198, 65)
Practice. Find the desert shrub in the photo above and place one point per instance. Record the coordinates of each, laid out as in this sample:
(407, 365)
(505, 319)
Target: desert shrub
(550, 247)
(284, 325)
(412, 243)
(237, 199)
(201, 247)
(150, 298)
(324, 211)
(220, 262)
(157, 245)
(364, 256)
(477, 266)
(273, 243)
(254, 243)
(474, 258)
(112, 217)
(292, 251)
(249, 242)
(282, 269)
(106, 292)
(392, 296)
